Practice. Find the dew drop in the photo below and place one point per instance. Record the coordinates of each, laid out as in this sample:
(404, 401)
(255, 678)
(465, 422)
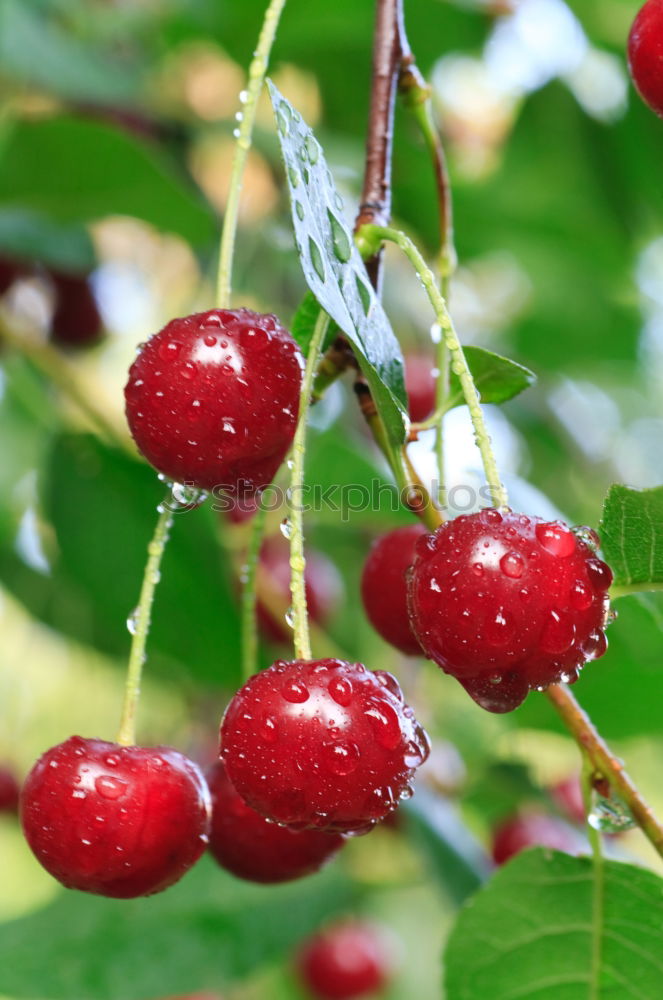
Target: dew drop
(289, 617)
(110, 787)
(477, 569)
(555, 538)
(268, 729)
(285, 527)
(78, 793)
(406, 793)
(610, 816)
(169, 350)
(111, 760)
(210, 340)
(499, 630)
(385, 723)
(512, 565)
(594, 645)
(581, 596)
(340, 688)
(341, 758)
(490, 515)
(599, 573)
(188, 370)
(316, 258)
(340, 238)
(587, 535)
(295, 692)
(558, 633)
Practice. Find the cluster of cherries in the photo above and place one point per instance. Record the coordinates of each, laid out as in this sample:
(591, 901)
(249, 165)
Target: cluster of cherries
(311, 752)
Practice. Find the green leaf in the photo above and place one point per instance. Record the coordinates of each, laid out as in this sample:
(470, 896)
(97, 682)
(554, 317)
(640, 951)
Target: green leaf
(208, 931)
(496, 378)
(632, 536)
(31, 236)
(530, 933)
(76, 171)
(303, 324)
(333, 268)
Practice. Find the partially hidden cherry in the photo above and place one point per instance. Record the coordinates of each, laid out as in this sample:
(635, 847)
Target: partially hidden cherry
(534, 829)
(322, 744)
(252, 848)
(508, 602)
(114, 820)
(345, 961)
(212, 399)
(384, 587)
(420, 386)
(645, 54)
(9, 789)
(567, 795)
(76, 321)
(321, 578)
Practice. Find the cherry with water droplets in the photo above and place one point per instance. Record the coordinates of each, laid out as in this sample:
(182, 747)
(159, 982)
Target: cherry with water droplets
(645, 54)
(348, 960)
(336, 760)
(114, 820)
(384, 586)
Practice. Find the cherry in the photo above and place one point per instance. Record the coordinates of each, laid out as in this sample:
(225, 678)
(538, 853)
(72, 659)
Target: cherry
(345, 961)
(645, 54)
(9, 790)
(384, 587)
(534, 829)
(212, 399)
(321, 578)
(420, 385)
(322, 744)
(76, 321)
(10, 270)
(250, 847)
(507, 602)
(114, 820)
(567, 794)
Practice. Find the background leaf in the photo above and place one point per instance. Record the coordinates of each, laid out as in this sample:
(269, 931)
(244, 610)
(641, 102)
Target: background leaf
(632, 535)
(31, 236)
(497, 379)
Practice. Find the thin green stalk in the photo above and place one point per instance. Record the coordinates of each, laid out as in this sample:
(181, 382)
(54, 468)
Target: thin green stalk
(257, 71)
(249, 599)
(368, 236)
(628, 589)
(302, 641)
(141, 626)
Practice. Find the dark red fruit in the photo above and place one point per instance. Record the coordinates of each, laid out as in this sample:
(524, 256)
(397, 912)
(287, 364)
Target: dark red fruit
(250, 847)
(534, 829)
(212, 399)
(346, 961)
(505, 603)
(322, 580)
(384, 587)
(645, 54)
(420, 385)
(567, 795)
(9, 790)
(322, 744)
(10, 270)
(113, 820)
(76, 321)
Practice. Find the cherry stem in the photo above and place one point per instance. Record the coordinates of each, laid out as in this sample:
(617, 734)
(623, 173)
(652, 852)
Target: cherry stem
(370, 235)
(256, 79)
(249, 595)
(605, 762)
(141, 625)
(302, 641)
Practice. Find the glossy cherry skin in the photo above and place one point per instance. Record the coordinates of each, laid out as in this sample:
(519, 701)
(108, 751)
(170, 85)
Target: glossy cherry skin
(645, 54)
(9, 790)
(534, 829)
(321, 578)
(322, 744)
(212, 399)
(507, 602)
(252, 848)
(384, 587)
(113, 820)
(420, 385)
(76, 321)
(345, 961)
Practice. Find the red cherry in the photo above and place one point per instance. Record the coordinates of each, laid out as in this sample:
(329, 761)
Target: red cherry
(114, 820)
(10, 271)
(76, 321)
(9, 790)
(322, 744)
(505, 603)
(384, 587)
(321, 578)
(420, 386)
(567, 794)
(250, 847)
(645, 54)
(346, 961)
(212, 399)
(534, 829)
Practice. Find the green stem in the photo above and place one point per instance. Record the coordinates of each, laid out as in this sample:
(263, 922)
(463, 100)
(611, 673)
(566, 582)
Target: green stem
(249, 599)
(628, 589)
(368, 236)
(598, 893)
(302, 641)
(257, 71)
(141, 626)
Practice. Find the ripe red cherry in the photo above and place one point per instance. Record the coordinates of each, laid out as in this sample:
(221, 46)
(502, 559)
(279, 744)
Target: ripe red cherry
(346, 961)
(250, 847)
(534, 829)
(114, 820)
(645, 54)
(384, 587)
(322, 581)
(322, 744)
(505, 603)
(420, 386)
(76, 321)
(9, 790)
(212, 399)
